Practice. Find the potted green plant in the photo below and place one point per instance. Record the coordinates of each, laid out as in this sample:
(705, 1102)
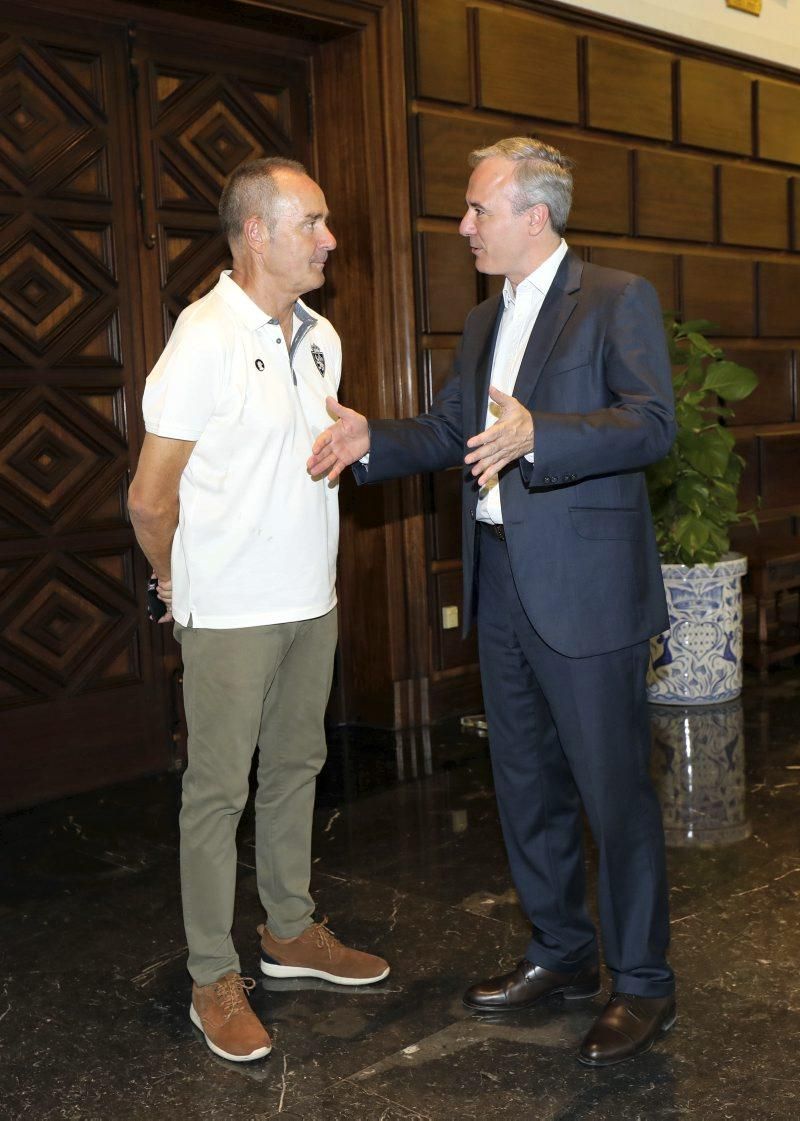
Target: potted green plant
(694, 496)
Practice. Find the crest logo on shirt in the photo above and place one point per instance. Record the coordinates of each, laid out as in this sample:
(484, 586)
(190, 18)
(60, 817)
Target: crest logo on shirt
(259, 364)
(319, 359)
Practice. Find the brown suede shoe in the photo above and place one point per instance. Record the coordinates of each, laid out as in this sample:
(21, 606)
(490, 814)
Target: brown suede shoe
(318, 953)
(627, 1026)
(223, 1014)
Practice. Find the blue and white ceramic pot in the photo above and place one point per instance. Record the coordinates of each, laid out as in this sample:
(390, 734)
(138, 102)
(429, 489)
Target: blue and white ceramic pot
(698, 768)
(698, 661)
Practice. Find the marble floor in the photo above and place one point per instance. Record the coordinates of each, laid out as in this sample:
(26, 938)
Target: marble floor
(408, 861)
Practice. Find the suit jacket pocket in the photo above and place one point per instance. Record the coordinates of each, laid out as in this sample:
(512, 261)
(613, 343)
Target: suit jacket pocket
(566, 365)
(606, 523)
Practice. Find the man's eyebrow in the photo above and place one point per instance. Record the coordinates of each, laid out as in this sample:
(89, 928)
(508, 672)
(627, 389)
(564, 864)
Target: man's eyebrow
(475, 203)
(316, 217)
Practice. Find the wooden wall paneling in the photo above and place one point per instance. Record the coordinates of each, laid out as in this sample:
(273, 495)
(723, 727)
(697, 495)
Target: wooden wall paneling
(493, 285)
(527, 65)
(362, 153)
(746, 538)
(778, 121)
(684, 186)
(447, 513)
(772, 402)
(659, 268)
(442, 55)
(780, 478)
(601, 201)
(779, 304)
(444, 146)
(747, 447)
(715, 106)
(720, 289)
(452, 649)
(674, 196)
(450, 281)
(440, 367)
(629, 88)
(754, 206)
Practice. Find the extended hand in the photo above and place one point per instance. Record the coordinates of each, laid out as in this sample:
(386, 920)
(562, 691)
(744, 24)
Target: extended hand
(506, 440)
(340, 445)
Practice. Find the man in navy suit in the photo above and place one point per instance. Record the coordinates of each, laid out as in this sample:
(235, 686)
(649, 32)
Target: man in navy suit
(560, 396)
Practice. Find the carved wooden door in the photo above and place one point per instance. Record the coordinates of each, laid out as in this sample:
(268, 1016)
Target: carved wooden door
(201, 111)
(95, 264)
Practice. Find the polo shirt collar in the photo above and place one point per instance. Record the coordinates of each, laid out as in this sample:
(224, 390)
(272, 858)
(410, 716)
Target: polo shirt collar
(541, 278)
(248, 310)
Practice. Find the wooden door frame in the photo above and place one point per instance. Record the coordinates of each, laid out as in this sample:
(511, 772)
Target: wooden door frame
(362, 161)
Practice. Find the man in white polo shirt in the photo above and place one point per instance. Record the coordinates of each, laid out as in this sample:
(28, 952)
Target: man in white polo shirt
(243, 543)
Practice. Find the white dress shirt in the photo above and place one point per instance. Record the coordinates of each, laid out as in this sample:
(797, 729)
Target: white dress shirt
(522, 307)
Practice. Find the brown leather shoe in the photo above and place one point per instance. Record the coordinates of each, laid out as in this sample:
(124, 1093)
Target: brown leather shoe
(317, 952)
(223, 1014)
(527, 984)
(627, 1026)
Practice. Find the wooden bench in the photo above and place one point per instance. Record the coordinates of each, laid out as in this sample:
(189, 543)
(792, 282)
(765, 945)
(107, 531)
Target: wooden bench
(774, 568)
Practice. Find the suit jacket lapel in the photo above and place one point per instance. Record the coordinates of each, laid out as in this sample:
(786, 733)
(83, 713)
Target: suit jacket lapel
(487, 337)
(558, 306)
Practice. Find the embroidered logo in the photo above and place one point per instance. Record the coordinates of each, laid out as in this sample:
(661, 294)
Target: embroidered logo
(319, 359)
(259, 364)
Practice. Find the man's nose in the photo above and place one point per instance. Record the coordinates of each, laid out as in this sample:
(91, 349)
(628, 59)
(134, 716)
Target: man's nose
(328, 241)
(467, 227)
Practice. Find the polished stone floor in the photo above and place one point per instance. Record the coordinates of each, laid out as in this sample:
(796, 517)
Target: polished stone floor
(409, 861)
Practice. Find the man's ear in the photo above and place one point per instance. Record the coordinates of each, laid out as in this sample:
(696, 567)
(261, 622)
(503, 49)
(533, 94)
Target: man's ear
(538, 218)
(253, 234)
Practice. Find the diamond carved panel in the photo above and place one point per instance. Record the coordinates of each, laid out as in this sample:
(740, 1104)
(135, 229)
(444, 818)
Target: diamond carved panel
(47, 460)
(219, 141)
(36, 124)
(59, 625)
(38, 296)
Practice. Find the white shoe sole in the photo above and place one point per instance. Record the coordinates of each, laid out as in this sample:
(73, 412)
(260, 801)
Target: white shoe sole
(299, 971)
(259, 1052)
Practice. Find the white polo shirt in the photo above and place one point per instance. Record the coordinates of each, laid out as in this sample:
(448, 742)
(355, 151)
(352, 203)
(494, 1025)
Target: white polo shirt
(257, 538)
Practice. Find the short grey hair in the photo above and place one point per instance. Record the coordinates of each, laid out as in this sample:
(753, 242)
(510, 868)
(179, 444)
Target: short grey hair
(252, 191)
(542, 174)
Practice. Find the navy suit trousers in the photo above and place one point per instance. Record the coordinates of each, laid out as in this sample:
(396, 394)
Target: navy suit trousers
(566, 732)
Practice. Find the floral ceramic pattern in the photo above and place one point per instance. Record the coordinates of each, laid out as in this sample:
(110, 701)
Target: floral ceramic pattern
(698, 660)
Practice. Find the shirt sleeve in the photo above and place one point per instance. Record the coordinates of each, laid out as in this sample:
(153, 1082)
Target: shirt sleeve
(184, 388)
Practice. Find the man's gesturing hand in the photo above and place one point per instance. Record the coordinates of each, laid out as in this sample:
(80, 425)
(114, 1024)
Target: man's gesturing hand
(340, 445)
(506, 440)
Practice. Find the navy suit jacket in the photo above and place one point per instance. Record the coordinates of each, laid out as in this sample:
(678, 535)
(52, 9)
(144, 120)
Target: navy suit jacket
(596, 377)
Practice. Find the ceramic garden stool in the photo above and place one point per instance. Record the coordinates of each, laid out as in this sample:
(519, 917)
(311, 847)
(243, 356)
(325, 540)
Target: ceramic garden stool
(774, 568)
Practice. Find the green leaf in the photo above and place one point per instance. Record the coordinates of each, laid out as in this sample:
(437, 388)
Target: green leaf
(706, 451)
(694, 490)
(693, 326)
(688, 417)
(702, 344)
(691, 532)
(730, 380)
(692, 493)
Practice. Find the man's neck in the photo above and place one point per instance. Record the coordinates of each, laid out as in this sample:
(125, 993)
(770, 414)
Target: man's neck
(543, 253)
(276, 303)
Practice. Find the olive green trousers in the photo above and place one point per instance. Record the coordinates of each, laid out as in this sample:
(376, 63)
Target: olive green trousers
(265, 686)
